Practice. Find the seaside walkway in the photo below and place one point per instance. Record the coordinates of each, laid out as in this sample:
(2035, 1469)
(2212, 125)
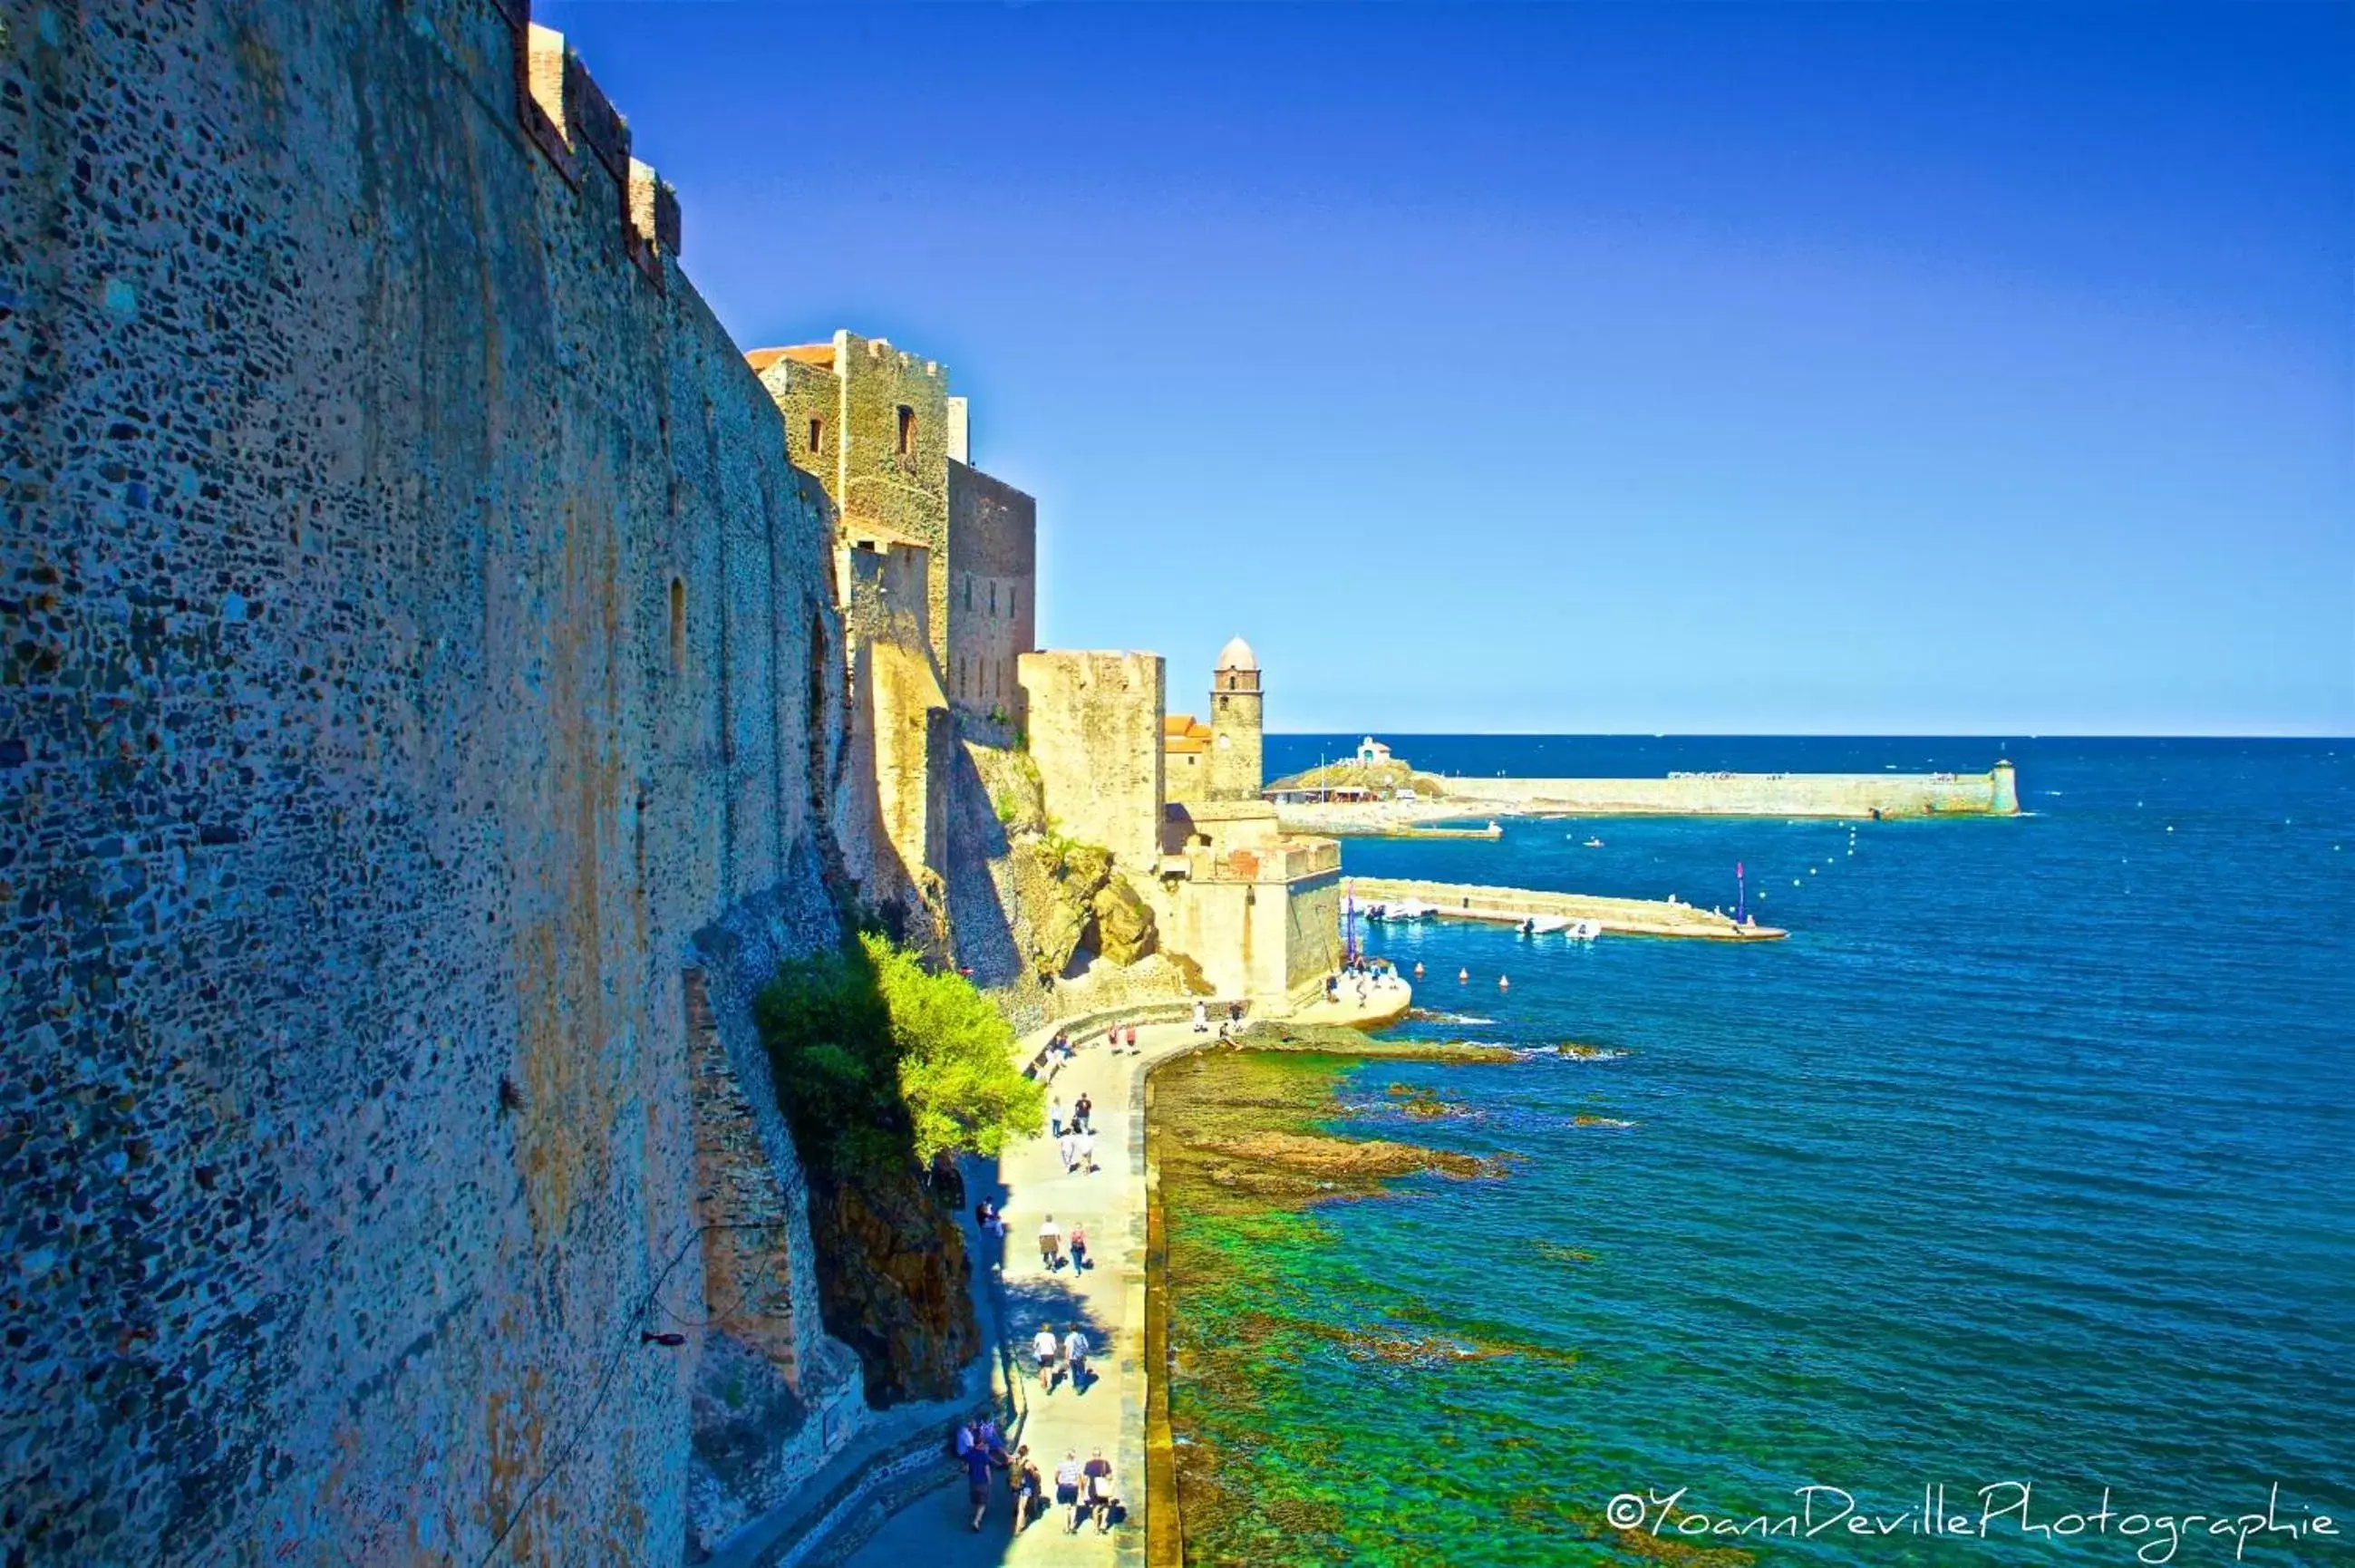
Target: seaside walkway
(1027, 1183)
(1107, 1300)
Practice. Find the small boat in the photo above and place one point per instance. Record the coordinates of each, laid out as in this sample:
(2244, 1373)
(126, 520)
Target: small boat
(1585, 930)
(1404, 913)
(1593, 843)
(1544, 925)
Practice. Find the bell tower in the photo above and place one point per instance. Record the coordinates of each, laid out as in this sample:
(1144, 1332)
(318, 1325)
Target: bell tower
(1234, 762)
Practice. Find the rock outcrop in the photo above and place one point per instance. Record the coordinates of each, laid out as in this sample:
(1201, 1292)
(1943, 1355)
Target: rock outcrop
(892, 1281)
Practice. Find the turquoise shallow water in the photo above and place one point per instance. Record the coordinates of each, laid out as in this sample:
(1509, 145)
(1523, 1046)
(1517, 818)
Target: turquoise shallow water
(2025, 1160)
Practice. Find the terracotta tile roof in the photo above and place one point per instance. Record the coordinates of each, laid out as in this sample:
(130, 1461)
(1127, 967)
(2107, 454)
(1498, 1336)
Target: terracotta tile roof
(821, 354)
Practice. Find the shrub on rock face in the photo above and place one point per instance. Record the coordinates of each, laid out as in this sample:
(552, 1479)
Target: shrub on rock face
(956, 1072)
(878, 1061)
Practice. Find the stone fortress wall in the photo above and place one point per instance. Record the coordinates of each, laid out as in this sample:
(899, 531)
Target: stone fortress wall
(422, 674)
(1095, 735)
(993, 582)
(442, 679)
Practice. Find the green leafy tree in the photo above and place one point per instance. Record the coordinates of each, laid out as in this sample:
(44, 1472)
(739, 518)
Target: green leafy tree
(877, 1058)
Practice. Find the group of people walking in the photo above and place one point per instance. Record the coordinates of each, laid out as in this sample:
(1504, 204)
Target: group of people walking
(1056, 1357)
(1082, 1490)
(1074, 1139)
(1051, 1246)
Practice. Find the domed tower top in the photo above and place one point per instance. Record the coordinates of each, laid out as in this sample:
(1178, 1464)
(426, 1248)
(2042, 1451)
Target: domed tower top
(1237, 669)
(1234, 768)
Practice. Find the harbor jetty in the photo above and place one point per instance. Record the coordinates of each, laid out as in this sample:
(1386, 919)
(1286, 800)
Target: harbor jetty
(1309, 804)
(1511, 906)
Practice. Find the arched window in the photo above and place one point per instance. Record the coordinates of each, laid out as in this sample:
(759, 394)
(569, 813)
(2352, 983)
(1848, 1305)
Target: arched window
(678, 625)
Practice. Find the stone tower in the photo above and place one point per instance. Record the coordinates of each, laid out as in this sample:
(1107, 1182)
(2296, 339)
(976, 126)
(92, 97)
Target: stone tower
(1235, 763)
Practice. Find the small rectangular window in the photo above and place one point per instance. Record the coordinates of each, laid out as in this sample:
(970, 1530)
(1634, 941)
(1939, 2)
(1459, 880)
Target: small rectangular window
(907, 430)
(968, 592)
(993, 598)
(817, 436)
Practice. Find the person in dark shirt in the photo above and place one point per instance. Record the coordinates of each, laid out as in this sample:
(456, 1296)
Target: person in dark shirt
(978, 1461)
(1100, 1500)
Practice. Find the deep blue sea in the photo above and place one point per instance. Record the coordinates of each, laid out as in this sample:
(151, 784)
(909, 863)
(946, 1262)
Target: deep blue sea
(2027, 1161)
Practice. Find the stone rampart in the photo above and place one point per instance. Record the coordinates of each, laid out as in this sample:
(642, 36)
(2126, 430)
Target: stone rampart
(1095, 734)
(992, 590)
(415, 636)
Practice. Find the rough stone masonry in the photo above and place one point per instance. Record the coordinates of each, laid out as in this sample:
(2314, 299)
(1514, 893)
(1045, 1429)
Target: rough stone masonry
(417, 660)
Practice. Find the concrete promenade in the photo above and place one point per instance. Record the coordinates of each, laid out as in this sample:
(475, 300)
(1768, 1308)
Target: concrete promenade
(1107, 1300)
(1027, 1183)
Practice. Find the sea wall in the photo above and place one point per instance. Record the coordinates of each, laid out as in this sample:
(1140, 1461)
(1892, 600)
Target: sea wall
(415, 640)
(1842, 796)
(1751, 795)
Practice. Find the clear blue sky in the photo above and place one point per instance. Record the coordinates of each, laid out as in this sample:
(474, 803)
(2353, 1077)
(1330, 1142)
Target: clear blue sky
(1894, 367)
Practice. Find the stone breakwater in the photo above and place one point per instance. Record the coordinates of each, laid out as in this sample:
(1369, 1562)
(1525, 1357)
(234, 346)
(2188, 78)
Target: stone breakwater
(1858, 796)
(1621, 917)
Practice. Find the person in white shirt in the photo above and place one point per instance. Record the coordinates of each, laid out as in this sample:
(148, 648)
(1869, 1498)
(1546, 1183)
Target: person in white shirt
(1050, 1243)
(1201, 1018)
(1070, 1149)
(1087, 1151)
(1047, 1348)
(1067, 1489)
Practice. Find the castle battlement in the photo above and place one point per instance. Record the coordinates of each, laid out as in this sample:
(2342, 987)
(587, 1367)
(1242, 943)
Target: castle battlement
(566, 113)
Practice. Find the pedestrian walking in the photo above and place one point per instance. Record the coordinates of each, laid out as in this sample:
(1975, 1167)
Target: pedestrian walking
(1201, 1017)
(1096, 1478)
(1075, 1358)
(1055, 1115)
(1079, 1250)
(1132, 1039)
(1050, 1353)
(1067, 1145)
(1068, 1476)
(1050, 1243)
(977, 1466)
(1087, 1151)
(1023, 1480)
(1082, 1110)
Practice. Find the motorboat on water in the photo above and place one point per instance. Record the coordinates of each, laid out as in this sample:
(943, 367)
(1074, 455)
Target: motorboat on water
(1593, 843)
(1561, 924)
(1404, 913)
